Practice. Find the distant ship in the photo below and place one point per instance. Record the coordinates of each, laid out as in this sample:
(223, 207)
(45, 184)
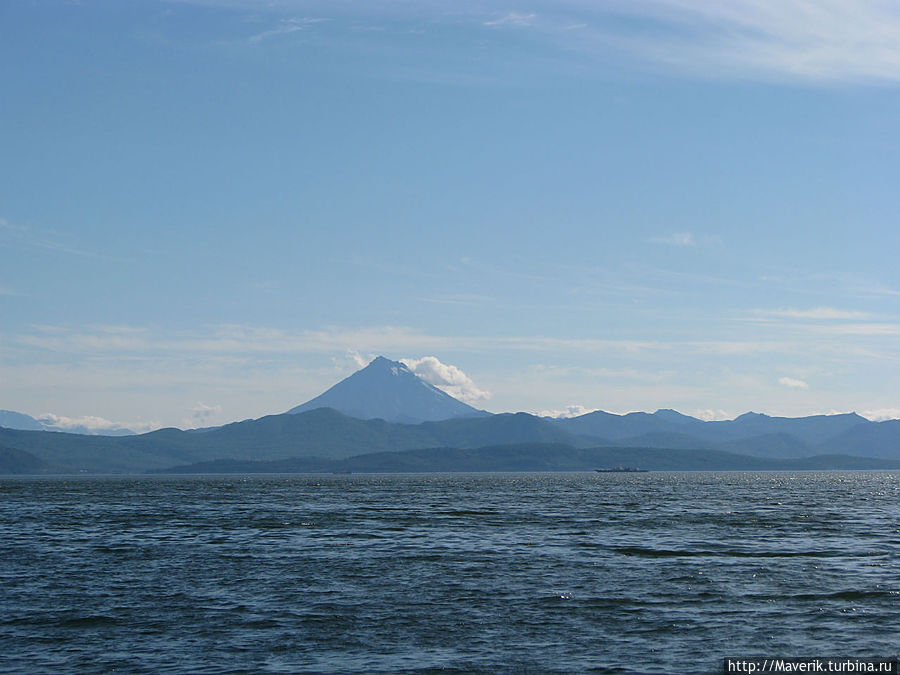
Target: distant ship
(622, 469)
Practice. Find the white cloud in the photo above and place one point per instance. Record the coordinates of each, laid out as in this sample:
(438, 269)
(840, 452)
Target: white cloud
(881, 414)
(360, 360)
(447, 378)
(91, 423)
(793, 383)
(709, 415)
(351, 361)
(568, 411)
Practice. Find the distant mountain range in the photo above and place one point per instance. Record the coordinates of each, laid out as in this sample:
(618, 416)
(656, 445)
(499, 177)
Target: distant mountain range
(751, 433)
(16, 420)
(386, 418)
(326, 438)
(323, 433)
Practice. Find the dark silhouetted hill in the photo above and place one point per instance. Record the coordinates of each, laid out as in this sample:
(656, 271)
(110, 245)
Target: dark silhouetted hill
(14, 461)
(881, 439)
(331, 436)
(536, 457)
(321, 433)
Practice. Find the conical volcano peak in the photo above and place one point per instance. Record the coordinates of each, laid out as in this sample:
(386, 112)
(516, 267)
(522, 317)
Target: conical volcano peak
(386, 365)
(382, 362)
(389, 390)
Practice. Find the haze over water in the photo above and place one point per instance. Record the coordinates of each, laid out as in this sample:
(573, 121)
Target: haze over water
(636, 573)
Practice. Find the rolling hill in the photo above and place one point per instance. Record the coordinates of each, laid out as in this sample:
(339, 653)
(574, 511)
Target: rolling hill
(322, 433)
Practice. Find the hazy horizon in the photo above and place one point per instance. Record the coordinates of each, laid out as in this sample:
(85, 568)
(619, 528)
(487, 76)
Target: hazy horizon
(448, 378)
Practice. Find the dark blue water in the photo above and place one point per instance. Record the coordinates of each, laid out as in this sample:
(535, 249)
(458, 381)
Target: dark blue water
(639, 573)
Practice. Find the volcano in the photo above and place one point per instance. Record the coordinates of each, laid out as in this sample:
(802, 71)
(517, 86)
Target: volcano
(389, 390)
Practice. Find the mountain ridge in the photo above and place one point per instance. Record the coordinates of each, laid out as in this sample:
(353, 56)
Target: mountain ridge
(321, 432)
(331, 435)
(387, 403)
(812, 430)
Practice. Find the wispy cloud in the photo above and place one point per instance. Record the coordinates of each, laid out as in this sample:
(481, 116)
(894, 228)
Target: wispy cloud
(465, 299)
(826, 40)
(862, 329)
(25, 236)
(255, 370)
(877, 290)
(512, 19)
(685, 239)
(832, 284)
(284, 27)
(545, 372)
(675, 239)
(815, 313)
(256, 341)
(358, 360)
(806, 40)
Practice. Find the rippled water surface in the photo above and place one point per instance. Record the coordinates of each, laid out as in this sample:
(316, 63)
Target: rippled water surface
(639, 573)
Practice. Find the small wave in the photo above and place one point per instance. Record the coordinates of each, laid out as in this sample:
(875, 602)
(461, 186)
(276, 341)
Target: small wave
(846, 595)
(87, 621)
(644, 552)
(120, 550)
(262, 624)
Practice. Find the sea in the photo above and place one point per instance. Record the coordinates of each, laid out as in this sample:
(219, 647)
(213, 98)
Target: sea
(456, 573)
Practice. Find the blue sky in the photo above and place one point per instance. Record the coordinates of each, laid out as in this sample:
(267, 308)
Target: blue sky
(214, 210)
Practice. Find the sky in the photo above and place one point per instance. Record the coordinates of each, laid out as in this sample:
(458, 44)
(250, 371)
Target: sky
(214, 210)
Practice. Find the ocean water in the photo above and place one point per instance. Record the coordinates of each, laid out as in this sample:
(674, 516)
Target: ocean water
(577, 572)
